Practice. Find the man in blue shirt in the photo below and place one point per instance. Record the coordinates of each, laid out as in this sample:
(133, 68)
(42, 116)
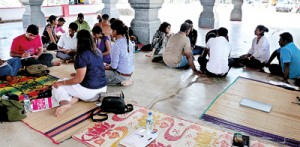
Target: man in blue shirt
(289, 58)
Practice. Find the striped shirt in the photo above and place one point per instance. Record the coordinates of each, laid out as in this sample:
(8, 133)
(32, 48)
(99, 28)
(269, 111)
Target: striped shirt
(121, 59)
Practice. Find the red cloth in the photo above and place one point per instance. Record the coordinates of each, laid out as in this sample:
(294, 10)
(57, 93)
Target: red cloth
(21, 44)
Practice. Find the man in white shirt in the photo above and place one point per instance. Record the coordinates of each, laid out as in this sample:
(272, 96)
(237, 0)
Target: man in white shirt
(67, 43)
(218, 50)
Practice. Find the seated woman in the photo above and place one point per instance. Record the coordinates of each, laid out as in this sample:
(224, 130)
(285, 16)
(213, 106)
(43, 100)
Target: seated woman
(49, 38)
(159, 41)
(102, 43)
(89, 79)
(122, 56)
(259, 53)
(10, 68)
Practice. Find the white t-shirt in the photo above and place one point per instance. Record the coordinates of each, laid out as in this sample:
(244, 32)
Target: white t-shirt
(219, 51)
(66, 42)
(260, 50)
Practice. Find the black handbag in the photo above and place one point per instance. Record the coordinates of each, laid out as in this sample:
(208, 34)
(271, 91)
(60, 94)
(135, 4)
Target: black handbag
(110, 103)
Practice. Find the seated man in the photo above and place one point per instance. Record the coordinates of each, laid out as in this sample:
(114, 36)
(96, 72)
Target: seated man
(9, 69)
(178, 52)
(67, 44)
(82, 24)
(193, 35)
(105, 25)
(218, 50)
(289, 55)
(29, 47)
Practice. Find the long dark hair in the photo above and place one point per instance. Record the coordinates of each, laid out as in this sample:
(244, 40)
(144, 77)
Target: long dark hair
(85, 41)
(121, 29)
(163, 27)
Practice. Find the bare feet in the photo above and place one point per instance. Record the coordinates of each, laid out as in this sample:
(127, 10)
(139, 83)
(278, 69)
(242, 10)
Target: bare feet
(61, 109)
(127, 82)
(64, 106)
(57, 63)
(10, 78)
(149, 55)
(69, 61)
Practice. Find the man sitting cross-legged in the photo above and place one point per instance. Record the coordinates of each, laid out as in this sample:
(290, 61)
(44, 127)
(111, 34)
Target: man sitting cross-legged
(29, 47)
(178, 53)
(218, 50)
(289, 55)
(67, 44)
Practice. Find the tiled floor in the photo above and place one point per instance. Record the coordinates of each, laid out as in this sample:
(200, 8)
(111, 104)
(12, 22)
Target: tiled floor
(174, 92)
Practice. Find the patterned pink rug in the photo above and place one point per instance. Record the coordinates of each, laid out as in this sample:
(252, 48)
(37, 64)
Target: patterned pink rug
(171, 131)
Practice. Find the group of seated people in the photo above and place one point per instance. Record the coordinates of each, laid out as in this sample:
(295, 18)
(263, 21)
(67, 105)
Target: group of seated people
(97, 62)
(104, 58)
(92, 75)
(177, 50)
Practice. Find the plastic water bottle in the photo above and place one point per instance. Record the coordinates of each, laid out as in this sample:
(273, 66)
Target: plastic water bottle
(4, 97)
(27, 103)
(149, 123)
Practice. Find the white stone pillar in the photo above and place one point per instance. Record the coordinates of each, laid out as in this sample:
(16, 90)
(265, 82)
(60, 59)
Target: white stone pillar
(146, 20)
(33, 13)
(208, 17)
(236, 13)
(110, 8)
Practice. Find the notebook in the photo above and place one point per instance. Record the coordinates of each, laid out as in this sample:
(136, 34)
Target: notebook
(139, 138)
(256, 104)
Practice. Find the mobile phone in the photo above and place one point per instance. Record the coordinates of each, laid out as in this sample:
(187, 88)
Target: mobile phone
(237, 140)
(246, 141)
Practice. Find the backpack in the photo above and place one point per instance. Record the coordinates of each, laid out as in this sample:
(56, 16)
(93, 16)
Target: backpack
(11, 110)
(111, 103)
(37, 70)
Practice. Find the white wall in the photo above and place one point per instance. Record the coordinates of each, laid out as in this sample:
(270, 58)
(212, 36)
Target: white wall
(17, 12)
(52, 10)
(85, 9)
(12, 13)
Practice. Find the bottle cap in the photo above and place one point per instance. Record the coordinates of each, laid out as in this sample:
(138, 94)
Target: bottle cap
(149, 113)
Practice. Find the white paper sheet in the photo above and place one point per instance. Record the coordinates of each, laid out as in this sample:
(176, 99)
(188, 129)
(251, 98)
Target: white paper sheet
(256, 105)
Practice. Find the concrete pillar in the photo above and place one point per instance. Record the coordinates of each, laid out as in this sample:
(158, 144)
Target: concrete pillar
(208, 17)
(146, 20)
(236, 13)
(33, 13)
(110, 8)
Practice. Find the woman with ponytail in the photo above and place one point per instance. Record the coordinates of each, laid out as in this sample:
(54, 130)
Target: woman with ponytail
(260, 49)
(259, 52)
(122, 56)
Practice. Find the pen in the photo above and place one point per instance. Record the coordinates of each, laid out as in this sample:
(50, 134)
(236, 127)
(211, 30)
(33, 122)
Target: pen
(139, 135)
(149, 138)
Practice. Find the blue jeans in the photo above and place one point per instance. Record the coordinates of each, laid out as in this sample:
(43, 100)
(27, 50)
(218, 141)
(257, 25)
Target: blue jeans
(12, 67)
(184, 62)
